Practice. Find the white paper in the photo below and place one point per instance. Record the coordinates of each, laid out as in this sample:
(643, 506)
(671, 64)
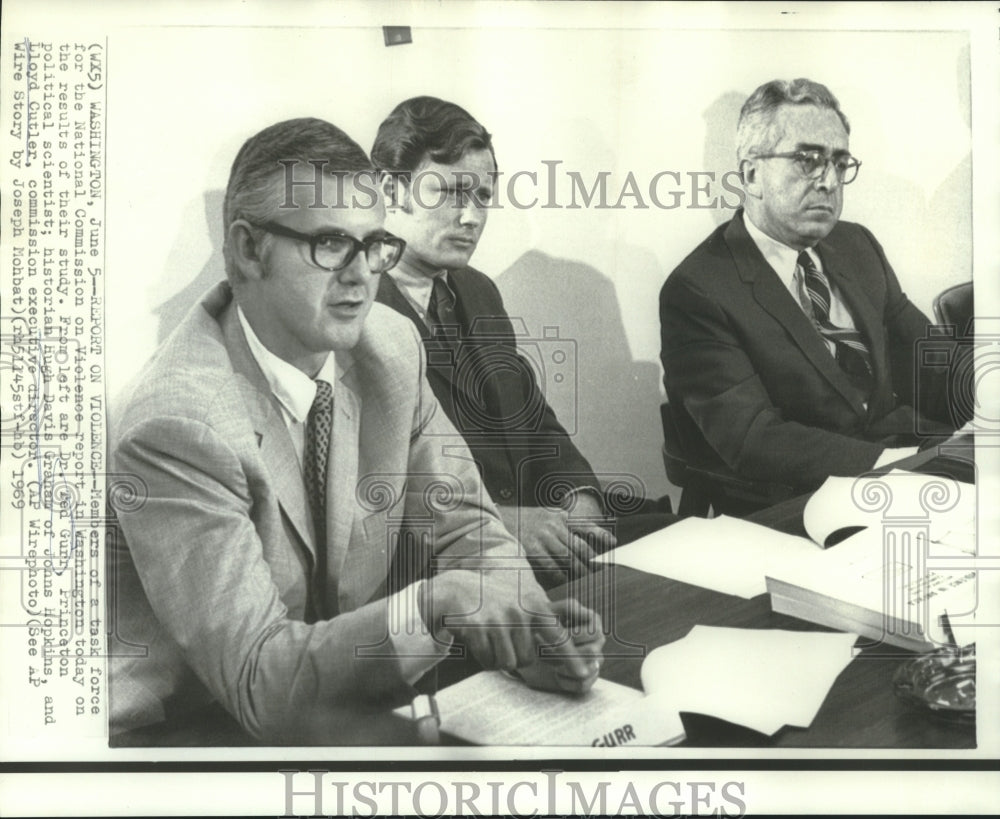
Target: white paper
(726, 554)
(763, 679)
(946, 506)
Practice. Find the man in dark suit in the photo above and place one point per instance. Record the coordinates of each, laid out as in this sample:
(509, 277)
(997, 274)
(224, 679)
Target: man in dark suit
(788, 346)
(439, 173)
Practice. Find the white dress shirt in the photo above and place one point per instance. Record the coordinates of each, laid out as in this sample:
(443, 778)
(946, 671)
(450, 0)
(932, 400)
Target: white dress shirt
(416, 288)
(784, 261)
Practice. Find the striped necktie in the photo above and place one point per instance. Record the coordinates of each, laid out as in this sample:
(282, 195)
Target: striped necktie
(852, 353)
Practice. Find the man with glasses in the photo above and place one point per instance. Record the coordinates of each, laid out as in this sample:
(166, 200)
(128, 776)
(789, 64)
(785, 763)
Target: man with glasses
(283, 448)
(787, 342)
(439, 168)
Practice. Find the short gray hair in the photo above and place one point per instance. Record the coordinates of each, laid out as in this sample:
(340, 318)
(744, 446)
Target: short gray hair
(755, 130)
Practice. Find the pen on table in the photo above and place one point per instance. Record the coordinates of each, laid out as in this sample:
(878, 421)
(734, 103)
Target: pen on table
(946, 625)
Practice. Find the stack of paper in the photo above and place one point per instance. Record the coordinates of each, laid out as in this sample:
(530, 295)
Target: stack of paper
(882, 585)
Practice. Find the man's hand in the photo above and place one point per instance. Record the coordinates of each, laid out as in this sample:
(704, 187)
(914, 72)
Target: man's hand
(559, 544)
(508, 623)
(551, 671)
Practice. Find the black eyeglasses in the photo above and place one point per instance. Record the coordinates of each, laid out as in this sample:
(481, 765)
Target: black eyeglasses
(335, 251)
(813, 164)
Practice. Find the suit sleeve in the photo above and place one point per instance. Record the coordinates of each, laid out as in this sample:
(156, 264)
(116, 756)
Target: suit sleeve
(708, 371)
(924, 388)
(195, 547)
(550, 449)
(444, 485)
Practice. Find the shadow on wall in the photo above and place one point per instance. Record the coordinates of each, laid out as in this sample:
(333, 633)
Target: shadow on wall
(613, 414)
(171, 311)
(721, 119)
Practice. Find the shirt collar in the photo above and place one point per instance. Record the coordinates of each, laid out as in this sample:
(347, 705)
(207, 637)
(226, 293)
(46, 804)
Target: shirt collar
(782, 258)
(415, 286)
(294, 390)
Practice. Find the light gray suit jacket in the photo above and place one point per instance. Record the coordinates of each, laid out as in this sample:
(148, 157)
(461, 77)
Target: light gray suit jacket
(215, 594)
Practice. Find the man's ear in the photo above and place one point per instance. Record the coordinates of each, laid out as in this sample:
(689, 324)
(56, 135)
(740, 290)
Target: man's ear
(395, 189)
(245, 250)
(748, 173)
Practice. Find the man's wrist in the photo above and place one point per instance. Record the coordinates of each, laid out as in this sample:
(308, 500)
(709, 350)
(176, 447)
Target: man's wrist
(432, 614)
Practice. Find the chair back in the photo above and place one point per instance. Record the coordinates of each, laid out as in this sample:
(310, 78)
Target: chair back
(954, 306)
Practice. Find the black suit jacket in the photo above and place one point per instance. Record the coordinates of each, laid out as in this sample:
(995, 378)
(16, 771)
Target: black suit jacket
(492, 396)
(750, 380)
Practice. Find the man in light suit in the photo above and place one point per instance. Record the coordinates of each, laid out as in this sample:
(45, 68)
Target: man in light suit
(788, 346)
(250, 578)
(439, 172)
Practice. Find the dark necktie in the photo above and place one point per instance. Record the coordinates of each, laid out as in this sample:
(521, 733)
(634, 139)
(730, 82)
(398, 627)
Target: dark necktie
(317, 455)
(441, 312)
(852, 353)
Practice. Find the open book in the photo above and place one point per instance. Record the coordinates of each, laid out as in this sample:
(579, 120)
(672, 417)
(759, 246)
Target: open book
(900, 553)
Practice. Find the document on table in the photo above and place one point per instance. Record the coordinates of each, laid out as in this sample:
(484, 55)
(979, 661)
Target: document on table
(893, 589)
(726, 554)
(491, 708)
(767, 678)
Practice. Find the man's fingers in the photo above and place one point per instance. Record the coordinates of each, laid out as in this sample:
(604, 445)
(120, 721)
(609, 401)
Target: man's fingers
(479, 644)
(556, 645)
(504, 655)
(597, 538)
(523, 641)
(550, 554)
(576, 617)
(540, 559)
(577, 559)
(586, 631)
(581, 549)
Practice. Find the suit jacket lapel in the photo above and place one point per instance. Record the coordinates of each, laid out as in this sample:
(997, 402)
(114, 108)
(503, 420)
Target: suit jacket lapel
(774, 297)
(390, 295)
(277, 450)
(480, 329)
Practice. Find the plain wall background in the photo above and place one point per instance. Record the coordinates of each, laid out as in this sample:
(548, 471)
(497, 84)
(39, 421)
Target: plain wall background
(621, 100)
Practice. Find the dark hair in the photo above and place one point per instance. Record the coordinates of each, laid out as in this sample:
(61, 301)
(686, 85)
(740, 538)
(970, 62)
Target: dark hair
(756, 125)
(249, 194)
(427, 127)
